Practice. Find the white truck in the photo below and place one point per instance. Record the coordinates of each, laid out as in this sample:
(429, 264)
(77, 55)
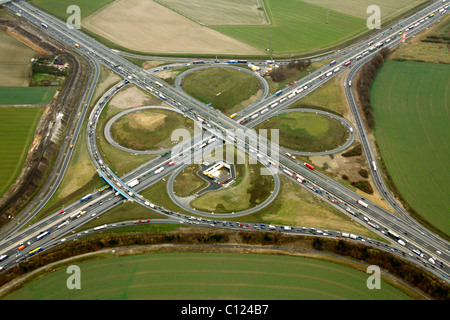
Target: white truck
(365, 205)
(151, 205)
(133, 183)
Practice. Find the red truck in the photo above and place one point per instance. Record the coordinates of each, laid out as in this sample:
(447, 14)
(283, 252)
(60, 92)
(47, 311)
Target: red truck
(309, 166)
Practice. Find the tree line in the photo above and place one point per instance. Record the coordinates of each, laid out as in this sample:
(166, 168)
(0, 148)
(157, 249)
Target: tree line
(364, 82)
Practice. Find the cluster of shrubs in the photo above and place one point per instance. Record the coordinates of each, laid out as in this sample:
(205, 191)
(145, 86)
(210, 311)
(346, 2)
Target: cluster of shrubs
(291, 69)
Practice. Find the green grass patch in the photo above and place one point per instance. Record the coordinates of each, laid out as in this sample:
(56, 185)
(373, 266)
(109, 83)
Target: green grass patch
(17, 130)
(149, 129)
(297, 26)
(249, 276)
(410, 102)
(45, 79)
(228, 90)
(26, 95)
(328, 97)
(188, 182)
(307, 131)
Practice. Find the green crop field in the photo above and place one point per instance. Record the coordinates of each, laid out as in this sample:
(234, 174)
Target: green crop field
(307, 131)
(16, 133)
(412, 111)
(58, 8)
(358, 8)
(298, 26)
(179, 276)
(26, 95)
(228, 90)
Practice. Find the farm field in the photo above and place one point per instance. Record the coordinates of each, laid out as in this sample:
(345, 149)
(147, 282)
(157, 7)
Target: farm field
(307, 131)
(228, 90)
(16, 135)
(147, 26)
(358, 8)
(15, 62)
(218, 12)
(26, 95)
(410, 102)
(209, 276)
(297, 27)
(149, 129)
(58, 7)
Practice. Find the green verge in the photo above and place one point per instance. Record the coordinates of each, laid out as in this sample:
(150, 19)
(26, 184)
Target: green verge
(410, 102)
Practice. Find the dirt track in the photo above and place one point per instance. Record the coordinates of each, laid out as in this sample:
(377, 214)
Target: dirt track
(57, 119)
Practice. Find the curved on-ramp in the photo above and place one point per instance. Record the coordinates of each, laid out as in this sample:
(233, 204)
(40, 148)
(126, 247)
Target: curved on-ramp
(343, 121)
(114, 143)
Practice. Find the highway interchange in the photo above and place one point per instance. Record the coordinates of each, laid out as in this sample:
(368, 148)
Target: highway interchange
(433, 255)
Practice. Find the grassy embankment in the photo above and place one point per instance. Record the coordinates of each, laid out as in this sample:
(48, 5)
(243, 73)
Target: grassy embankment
(149, 129)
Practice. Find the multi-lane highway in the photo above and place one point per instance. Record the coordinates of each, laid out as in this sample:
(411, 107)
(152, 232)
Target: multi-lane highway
(219, 125)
